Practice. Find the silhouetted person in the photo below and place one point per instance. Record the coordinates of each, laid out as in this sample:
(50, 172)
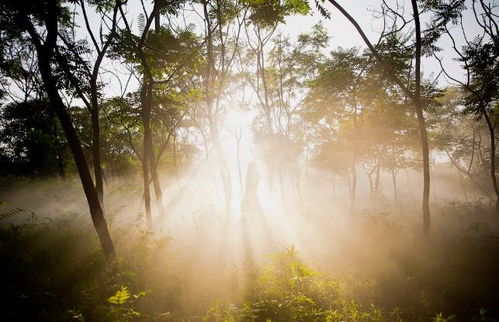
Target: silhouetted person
(251, 202)
(256, 230)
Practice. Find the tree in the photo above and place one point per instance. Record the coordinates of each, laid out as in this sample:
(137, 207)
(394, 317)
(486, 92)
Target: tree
(412, 91)
(481, 66)
(87, 86)
(31, 139)
(223, 21)
(39, 23)
(159, 56)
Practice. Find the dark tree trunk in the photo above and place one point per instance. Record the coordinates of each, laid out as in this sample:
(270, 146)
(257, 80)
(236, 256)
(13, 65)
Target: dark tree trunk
(59, 155)
(96, 155)
(95, 109)
(146, 160)
(422, 124)
(91, 194)
(45, 51)
(492, 137)
(158, 192)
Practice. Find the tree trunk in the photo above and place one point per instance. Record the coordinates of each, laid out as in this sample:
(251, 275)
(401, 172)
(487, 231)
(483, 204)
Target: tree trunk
(158, 192)
(175, 162)
(95, 109)
(371, 189)
(96, 160)
(209, 92)
(354, 188)
(377, 180)
(354, 164)
(422, 124)
(395, 196)
(463, 185)
(91, 194)
(146, 120)
(45, 51)
(59, 154)
(492, 136)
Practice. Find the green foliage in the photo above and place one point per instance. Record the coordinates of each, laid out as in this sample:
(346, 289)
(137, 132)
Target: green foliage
(289, 290)
(267, 13)
(483, 91)
(124, 309)
(121, 296)
(31, 139)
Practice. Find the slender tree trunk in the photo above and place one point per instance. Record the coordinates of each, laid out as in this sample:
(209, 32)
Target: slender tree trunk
(59, 155)
(152, 163)
(95, 109)
(354, 164)
(265, 91)
(354, 188)
(158, 192)
(422, 124)
(175, 161)
(349, 181)
(463, 186)
(96, 155)
(371, 189)
(147, 192)
(395, 195)
(146, 158)
(210, 90)
(492, 137)
(377, 180)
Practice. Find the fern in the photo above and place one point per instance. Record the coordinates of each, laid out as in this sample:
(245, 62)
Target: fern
(121, 296)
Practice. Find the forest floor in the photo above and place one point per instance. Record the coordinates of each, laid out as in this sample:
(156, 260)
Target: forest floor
(304, 267)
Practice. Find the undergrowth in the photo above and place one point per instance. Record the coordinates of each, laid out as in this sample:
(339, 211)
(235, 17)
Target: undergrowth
(54, 270)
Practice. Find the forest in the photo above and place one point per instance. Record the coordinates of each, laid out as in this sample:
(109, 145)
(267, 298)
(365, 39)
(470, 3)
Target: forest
(249, 160)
